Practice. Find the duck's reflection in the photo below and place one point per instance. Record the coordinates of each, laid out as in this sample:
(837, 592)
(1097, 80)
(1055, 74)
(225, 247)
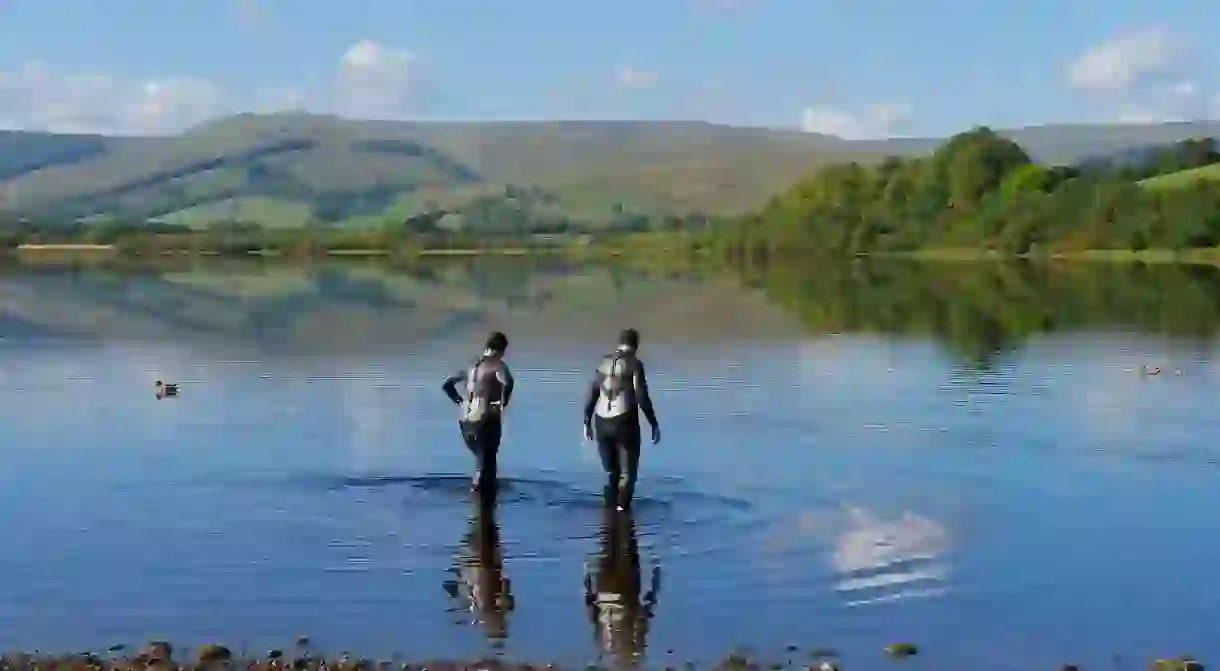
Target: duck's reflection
(620, 617)
(479, 583)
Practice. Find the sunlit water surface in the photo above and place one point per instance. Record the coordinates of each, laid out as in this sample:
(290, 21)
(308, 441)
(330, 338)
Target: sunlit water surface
(1048, 504)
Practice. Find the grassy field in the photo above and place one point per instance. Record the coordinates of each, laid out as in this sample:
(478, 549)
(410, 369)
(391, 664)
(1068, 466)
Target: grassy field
(1208, 256)
(362, 173)
(1184, 178)
(270, 212)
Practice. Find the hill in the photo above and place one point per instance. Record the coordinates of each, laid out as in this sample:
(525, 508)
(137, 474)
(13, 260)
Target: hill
(1184, 178)
(329, 171)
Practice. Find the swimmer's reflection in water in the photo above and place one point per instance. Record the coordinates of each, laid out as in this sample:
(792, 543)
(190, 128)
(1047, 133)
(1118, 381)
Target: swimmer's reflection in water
(619, 615)
(479, 581)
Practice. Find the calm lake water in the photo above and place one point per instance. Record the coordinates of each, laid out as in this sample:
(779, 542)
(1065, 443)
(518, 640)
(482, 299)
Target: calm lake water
(966, 457)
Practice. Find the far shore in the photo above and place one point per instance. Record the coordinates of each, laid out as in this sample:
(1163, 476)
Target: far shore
(66, 247)
(83, 249)
(48, 251)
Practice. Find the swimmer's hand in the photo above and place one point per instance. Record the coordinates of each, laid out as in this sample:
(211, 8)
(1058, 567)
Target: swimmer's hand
(589, 432)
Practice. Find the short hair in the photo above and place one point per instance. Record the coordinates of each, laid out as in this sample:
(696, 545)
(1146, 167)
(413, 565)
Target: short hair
(497, 342)
(630, 338)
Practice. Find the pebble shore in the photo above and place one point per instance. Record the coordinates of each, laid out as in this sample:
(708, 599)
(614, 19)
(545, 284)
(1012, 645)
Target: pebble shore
(162, 656)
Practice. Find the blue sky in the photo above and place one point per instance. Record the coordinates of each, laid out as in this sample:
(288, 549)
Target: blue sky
(857, 68)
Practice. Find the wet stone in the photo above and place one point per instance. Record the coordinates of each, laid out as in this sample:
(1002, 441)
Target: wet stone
(158, 650)
(211, 653)
(901, 650)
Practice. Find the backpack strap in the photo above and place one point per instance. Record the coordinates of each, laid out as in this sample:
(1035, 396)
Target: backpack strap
(473, 377)
(613, 392)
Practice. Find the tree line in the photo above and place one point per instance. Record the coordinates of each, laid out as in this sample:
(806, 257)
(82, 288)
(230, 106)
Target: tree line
(516, 216)
(980, 190)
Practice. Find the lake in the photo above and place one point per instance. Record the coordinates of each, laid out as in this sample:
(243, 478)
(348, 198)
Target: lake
(962, 456)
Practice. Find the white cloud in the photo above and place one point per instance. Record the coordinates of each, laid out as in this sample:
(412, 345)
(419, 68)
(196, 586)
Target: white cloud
(877, 120)
(630, 77)
(375, 81)
(1184, 89)
(1124, 62)
(1150, 74)
(372, 81)
(1182, 100)
(39, 97)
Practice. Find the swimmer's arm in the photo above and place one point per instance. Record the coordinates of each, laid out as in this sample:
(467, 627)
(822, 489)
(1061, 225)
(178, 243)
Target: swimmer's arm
(505, 376)
(451, 383)
(641, 394)
(595, 389)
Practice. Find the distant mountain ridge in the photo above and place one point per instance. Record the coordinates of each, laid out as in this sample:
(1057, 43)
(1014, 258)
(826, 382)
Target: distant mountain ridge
(302, 169)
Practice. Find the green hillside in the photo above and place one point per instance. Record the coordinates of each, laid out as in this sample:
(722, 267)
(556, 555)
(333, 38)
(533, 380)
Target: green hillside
(982, 193)
(295, 168)
(1184, 178)
(276, 212)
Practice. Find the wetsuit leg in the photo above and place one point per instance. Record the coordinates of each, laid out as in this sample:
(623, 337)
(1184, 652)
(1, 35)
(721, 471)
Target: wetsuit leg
(483, 441)
(606, 431)
(489, 452)
(470, 437)
(628, 447)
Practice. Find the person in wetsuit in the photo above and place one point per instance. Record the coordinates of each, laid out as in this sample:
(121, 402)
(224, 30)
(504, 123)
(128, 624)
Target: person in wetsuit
(479, 582)
(620, 617)
(612, 413)
(489, 387)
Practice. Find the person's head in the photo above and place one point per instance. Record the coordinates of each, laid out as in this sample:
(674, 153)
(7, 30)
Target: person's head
(629, 338)
(159, 383)
(497, 343)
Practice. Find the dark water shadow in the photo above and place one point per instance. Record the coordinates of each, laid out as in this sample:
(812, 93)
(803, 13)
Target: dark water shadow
(665, 502)
(619, 606)
(480, 590)
(445, 488)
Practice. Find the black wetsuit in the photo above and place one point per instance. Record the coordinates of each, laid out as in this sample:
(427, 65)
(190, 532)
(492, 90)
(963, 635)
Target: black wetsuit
(618, 395)
(489, 387)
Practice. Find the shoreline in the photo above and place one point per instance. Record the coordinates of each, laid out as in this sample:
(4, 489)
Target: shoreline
(1198, 256)
(163, 656)
(669, 253)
